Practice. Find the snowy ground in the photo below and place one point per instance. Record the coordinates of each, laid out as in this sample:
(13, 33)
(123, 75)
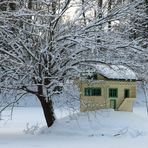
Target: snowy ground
(102, 129)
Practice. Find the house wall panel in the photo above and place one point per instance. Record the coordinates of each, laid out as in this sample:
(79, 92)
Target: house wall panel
(89, 103)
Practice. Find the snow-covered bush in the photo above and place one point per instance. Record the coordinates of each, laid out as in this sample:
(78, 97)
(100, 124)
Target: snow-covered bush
(31, 129)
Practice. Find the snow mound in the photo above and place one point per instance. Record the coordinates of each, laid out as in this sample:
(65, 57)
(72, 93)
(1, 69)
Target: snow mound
(130, 132)
(104, 123)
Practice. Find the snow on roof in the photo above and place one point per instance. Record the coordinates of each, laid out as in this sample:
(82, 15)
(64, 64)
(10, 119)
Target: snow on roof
(115, 72)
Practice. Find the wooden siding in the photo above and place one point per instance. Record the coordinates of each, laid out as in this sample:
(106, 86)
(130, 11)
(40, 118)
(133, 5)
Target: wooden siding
(100, 77)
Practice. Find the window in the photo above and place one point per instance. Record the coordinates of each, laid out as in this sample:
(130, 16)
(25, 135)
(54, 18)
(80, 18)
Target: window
(92, 91)
(113, 92)
(126, 93)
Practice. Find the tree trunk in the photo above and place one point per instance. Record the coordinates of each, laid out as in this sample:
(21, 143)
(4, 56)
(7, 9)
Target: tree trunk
(83, 13)
(109, 9)
(99, 11)
(48, 110)
(30, 4)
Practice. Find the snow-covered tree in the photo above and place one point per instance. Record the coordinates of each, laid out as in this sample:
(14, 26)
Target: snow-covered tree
(134, 27)
(43, 45)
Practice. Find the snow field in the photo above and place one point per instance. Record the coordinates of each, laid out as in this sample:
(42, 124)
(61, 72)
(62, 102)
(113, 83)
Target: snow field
(104, 128)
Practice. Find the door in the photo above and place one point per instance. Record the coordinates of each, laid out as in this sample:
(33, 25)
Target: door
(113, 104)
(126, 93)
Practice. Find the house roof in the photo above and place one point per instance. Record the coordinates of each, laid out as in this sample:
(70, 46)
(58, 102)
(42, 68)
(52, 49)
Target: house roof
(115, 72)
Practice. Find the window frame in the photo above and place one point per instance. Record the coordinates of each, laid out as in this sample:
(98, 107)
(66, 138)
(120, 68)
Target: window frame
(92, 91)
(115, 91)
(126, 89)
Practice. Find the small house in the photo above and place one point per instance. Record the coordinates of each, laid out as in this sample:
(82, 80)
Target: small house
(108, 86)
